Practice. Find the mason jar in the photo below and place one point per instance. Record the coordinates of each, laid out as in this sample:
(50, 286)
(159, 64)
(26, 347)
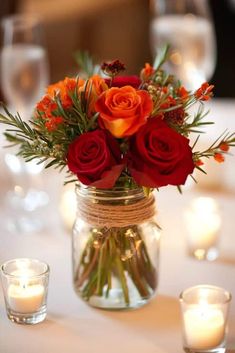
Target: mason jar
(115, 247)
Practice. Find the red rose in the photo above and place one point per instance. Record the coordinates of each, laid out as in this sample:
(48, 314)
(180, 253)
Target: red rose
(95, 158)
(159, 155)
(120, 81)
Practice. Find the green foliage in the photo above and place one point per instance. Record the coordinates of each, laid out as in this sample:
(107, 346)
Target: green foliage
(85, 63)
(161, 57)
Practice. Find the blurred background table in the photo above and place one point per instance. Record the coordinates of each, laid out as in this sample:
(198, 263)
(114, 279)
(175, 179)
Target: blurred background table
(71, 325)
(118, 29)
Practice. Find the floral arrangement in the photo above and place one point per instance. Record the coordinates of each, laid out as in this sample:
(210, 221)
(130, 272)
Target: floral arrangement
(119, 130)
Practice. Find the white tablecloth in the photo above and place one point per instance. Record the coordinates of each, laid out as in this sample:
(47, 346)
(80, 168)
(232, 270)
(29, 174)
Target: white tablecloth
(72, 326)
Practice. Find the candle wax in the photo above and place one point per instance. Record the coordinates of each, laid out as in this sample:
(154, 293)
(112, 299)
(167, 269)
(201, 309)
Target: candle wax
(25, 299)
(204, 327)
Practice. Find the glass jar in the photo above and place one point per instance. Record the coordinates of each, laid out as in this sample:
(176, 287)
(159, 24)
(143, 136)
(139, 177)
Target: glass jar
(115, 247)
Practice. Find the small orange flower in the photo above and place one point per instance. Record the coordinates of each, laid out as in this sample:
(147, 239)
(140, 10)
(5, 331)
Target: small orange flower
(204, 93)
(199, 163)
(182, 92)
(169, 102)
(164, 89)
(224, 146)
(64, 89)
(123, 110)
(44, 103)
(146, 72)
(46, 106)
(53, 122)
(70, 84)
(219, 157)
(55, 88)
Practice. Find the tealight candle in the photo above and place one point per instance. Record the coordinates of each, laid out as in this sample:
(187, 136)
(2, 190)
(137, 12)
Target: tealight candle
(25, 298)
(203, 224)
(25, 283)
(204, 313)
(204, 327)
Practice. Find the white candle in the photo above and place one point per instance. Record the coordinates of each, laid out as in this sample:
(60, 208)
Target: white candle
(25, 298)
(203, 223)
(204, 312)
(204, 327)
(25, 283)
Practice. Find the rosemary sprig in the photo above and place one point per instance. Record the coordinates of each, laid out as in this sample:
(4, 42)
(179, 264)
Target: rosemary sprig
(85, 63)
(225, 138)
(161, 57)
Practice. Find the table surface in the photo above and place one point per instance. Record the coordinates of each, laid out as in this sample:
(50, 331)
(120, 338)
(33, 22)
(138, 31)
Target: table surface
(71, 325)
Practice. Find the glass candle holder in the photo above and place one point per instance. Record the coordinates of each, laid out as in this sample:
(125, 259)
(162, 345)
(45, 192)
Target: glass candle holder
(204, 314)
(203, 224)
(25, 286)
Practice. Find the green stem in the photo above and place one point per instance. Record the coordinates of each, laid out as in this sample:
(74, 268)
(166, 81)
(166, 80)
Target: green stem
(148, 271)
(135, 273)
(145, 264)
(109, 280)
(101, 268)
(88, 269)
(121, 272)
(106, 261)
(90, 287)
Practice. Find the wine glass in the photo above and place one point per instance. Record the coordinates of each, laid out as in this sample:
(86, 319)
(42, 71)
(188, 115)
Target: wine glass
(24, 76)
(24, 66)
(186, 25)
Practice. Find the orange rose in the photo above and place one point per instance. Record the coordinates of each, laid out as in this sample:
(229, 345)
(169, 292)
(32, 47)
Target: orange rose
(123, 110)
(97, 86)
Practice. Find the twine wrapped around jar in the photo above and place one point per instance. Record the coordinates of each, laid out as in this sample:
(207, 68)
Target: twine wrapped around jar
(109, 215)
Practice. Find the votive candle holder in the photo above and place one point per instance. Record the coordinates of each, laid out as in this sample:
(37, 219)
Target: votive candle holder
(25, 287)
(204, 314)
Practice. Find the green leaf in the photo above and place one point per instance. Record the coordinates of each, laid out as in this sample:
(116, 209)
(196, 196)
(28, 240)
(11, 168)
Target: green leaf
(85, 63)
(161, 57)
(179, 189)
